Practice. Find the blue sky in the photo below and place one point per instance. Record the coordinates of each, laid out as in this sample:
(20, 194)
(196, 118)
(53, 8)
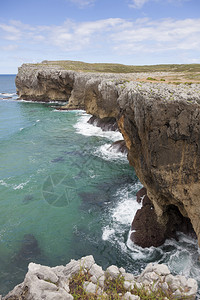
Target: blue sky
(134, 32)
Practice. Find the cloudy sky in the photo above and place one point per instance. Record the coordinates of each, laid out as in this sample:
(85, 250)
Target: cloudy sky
(134, 32)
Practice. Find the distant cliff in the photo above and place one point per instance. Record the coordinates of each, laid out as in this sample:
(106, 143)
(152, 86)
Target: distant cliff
(161, 127)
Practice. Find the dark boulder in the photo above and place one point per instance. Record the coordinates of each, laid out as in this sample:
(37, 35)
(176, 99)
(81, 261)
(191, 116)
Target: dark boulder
(147, 231)
(106, 124)
(120, 146)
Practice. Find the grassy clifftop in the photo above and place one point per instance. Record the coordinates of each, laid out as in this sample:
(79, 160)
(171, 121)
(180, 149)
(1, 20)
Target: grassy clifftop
(120, 68)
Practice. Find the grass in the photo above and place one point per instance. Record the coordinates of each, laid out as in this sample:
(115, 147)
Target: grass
(114, 289)
(120, 68)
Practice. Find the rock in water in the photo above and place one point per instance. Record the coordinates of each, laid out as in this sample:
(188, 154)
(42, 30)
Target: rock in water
(106, 124)
(147, 231)
(120, 146)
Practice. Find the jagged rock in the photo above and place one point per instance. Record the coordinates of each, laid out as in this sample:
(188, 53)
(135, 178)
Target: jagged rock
(106, 124)
(112, 272)
(120, 146)
(96, 271)
(42, 282)
(147, 231)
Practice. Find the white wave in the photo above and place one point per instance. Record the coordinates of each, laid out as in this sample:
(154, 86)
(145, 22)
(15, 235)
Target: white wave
(125, 211)
(107, 233)
(84, 128)
(122, 215)
(21, 128)
(3, 183)
(20, 186)
(37, 121)
(8, 94)
(107, 152)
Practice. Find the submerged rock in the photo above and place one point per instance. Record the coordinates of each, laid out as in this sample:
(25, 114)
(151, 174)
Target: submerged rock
(42, 282)
(29, 249)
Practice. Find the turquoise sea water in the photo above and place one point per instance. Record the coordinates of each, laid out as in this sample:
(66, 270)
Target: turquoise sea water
(65, 194)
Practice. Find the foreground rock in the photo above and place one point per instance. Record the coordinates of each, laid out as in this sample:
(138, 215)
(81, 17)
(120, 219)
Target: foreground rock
(160, 124)
(56, 283)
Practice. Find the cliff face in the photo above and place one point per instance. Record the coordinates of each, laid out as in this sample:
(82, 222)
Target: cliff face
(160, 124)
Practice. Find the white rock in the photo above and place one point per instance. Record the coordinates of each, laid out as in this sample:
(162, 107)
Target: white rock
(129, 277)
(174, 286)
(164, 286)
(138, 285)
(127, 285)
(113, 271)
(101, 281)
(96, 271)
(129, 296)
(90, 287)
(178, 294)
(182, 280)
(122, 270)
(161, 269)
(191, 283)
(87, 262)
(93, 279)
(42, 272)
(169, 279)
(71, 268)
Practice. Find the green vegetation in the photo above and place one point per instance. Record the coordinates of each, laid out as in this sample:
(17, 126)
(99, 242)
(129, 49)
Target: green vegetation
(151, 78)
(113, 289)
(120, 68)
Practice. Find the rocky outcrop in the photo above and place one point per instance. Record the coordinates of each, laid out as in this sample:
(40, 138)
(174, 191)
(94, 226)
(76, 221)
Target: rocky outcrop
(43, 282)
(106, 124)
(160, 124)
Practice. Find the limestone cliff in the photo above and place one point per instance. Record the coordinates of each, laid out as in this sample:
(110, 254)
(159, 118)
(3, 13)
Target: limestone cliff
(160, 124)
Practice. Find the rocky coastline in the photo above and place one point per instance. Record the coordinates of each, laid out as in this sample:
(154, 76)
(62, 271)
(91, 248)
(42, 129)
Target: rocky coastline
(84, 276)
(160, 124)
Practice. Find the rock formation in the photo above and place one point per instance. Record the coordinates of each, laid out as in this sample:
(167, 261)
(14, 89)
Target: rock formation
(56, 283)
(160, 124)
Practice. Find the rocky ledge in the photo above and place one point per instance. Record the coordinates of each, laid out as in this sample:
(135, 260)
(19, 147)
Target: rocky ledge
(60, 283)
(160, 124)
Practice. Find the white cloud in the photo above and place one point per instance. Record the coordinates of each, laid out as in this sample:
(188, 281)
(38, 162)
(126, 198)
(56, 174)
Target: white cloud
(9, 47)
(113, 36)
(82, 3)
(140, 3)
(157, 36)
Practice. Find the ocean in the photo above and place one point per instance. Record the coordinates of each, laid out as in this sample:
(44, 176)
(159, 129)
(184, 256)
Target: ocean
(64, 194)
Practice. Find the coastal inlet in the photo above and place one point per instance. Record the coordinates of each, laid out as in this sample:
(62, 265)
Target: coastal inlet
(92, 195)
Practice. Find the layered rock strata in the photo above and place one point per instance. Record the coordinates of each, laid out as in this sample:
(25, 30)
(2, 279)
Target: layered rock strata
(160, 124)
(42, 282)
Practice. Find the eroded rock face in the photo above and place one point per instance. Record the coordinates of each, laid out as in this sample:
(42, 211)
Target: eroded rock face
(160, 124)
(164, 141)
(44, 84)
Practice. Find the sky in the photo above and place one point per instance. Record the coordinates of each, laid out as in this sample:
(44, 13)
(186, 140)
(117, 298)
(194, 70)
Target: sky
(132, 32)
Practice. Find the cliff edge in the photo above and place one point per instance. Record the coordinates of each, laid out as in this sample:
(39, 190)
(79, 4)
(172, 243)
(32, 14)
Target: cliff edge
(161, 127)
